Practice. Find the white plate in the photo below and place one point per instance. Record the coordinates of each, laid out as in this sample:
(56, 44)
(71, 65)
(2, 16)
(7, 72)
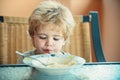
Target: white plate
(62, 63)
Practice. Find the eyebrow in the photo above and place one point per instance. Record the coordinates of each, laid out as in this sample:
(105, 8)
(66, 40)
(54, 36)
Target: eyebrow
(58, 35)
(53, 35)
(41, 34)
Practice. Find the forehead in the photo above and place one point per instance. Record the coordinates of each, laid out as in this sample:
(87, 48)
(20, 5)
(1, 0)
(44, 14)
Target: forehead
(50, 27)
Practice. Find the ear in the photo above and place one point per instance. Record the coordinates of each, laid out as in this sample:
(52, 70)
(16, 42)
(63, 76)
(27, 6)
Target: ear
(64, 42)
(33, 41)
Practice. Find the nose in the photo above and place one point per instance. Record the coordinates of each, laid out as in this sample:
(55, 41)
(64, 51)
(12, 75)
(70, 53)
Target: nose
(49, 42)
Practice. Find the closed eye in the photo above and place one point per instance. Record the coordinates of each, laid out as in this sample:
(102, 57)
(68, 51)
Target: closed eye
(56, 38)
(41, 37)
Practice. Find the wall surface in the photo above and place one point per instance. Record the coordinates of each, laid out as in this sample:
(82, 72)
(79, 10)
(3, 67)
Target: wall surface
(18, 8)
(111, 29)
(108, 12)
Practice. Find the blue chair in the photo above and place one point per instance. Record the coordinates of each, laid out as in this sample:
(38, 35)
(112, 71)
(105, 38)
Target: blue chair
(93, 18)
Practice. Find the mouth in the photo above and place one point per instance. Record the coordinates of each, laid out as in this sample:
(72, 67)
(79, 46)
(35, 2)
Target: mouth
(48, 51)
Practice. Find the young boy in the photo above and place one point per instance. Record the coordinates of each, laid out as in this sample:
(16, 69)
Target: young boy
(50, 27)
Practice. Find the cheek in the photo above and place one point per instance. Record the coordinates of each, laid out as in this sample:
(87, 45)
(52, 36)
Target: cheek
(59, 45)
(37, 42)
(40, 43)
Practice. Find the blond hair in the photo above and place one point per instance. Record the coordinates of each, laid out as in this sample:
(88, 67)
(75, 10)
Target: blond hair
(51, 12)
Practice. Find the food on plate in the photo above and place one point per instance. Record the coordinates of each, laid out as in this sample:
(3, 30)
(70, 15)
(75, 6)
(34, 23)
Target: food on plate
(56, 61)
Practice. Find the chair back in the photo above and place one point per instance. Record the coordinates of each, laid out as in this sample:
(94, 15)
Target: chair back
(85, 40)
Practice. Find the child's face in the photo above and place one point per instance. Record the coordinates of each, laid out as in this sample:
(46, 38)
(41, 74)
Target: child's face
(48, 40)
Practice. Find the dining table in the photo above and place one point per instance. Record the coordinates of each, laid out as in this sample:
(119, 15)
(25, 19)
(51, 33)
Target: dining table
(88, 71)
